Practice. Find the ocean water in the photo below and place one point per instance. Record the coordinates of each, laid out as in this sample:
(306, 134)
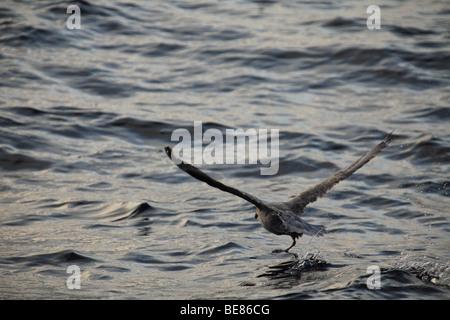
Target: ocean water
(85, 115)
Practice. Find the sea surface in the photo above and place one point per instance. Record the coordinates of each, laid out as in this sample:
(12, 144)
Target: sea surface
(85, 115)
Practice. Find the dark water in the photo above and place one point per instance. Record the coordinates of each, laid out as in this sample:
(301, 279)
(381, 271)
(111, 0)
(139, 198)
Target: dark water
(85, 115)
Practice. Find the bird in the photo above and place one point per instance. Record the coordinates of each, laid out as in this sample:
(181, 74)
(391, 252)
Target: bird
(283, 218)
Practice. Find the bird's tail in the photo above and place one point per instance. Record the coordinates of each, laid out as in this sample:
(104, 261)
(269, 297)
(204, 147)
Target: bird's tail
(316, 230)
(312, 230)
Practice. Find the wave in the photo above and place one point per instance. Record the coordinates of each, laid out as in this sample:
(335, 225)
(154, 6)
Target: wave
(55, 258)
(10, 161)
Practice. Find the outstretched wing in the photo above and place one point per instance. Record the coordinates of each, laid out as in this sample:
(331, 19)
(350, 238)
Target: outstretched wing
(312, 194)
(200, 175)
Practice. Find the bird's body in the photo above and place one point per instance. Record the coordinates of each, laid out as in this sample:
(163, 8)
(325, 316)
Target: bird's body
(280, 219)
(283, 218)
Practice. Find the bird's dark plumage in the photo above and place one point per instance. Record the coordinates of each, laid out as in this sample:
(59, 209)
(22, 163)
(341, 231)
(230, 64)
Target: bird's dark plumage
(283, 217)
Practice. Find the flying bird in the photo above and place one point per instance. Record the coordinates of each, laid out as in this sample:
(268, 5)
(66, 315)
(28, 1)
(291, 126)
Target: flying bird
(283, 218)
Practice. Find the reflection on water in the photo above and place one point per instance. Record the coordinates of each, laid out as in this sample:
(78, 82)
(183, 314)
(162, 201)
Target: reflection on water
(85, 114)
(293, 272)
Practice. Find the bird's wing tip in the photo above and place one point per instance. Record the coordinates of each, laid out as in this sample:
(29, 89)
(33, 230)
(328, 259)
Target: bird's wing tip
(168, 151)
(389, 137)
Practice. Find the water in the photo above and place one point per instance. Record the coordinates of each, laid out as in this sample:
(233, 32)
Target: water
(85, 115)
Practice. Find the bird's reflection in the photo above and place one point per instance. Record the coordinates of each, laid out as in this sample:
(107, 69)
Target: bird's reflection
(289, 273)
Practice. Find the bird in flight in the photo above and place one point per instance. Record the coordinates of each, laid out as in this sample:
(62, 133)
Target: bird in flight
(283, 218)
